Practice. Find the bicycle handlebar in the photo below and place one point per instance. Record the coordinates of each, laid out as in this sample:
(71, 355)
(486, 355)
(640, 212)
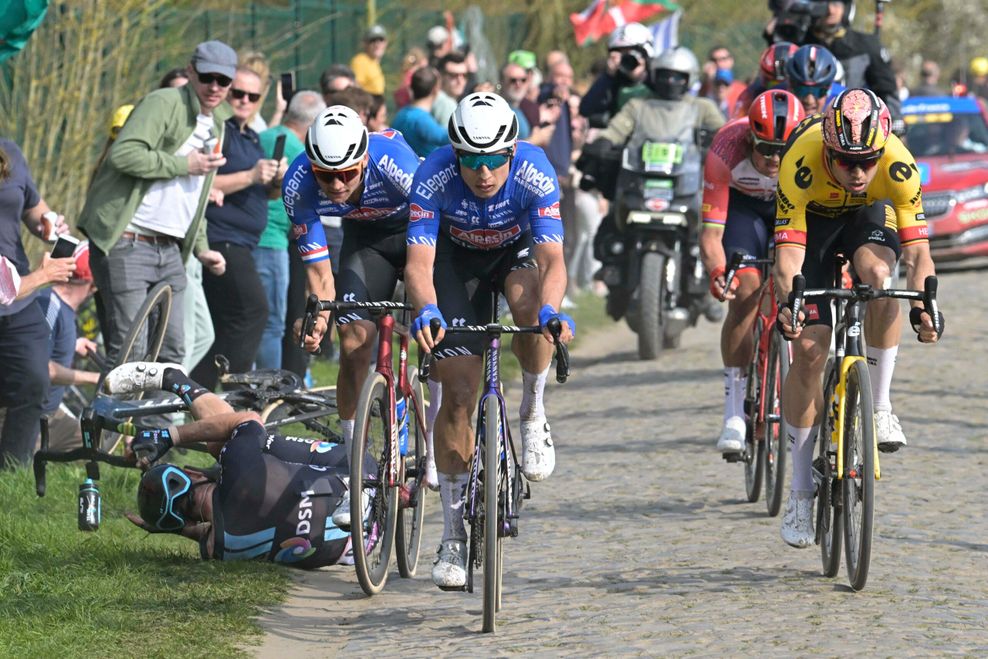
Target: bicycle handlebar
(738, 259)
(864, 293)
(313, 306)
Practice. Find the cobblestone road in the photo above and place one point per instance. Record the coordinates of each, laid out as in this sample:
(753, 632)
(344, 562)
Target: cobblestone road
(640, 543)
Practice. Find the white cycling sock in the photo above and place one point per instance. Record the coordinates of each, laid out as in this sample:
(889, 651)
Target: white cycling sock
(435, 401)
(734, 385)
(346, 425)
(532, 388)
(452, 488)
(802, 441)
(881, 365)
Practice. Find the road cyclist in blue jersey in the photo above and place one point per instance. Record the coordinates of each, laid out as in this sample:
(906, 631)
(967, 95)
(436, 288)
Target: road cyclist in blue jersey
(363, 178)
(484, 219)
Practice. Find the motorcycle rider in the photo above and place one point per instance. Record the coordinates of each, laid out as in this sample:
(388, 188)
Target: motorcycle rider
(669, 112)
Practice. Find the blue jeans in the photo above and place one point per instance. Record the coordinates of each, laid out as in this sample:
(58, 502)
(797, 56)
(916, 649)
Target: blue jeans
(272, 267)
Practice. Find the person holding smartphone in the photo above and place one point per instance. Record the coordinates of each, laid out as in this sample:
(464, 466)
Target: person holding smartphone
(236, 297)
(23, 331)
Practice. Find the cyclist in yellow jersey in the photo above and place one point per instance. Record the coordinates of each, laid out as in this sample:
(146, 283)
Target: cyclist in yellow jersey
(846, 184)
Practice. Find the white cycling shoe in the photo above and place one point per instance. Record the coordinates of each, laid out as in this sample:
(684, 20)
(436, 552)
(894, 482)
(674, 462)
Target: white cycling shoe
(341, 516)
(732, 436)
(449, 572)
(136, 376)
(797, 522)
(888, 432)
(538, 457)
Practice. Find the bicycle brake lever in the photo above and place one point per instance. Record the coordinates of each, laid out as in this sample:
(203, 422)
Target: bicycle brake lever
(930, 303)
(555, 328)
(798, 288)
(309, 321)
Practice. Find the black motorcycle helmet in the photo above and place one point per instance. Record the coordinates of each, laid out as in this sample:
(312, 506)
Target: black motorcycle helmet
(672, 73)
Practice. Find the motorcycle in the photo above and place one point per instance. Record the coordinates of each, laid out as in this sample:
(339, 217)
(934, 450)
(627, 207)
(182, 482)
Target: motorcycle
(651, 260)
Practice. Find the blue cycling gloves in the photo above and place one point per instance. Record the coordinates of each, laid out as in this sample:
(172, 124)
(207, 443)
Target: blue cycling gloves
(425, 316)
(547, 313)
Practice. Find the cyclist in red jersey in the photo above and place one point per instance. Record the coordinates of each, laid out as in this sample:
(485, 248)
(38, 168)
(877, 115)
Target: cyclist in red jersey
(771, 75)
(740, 177)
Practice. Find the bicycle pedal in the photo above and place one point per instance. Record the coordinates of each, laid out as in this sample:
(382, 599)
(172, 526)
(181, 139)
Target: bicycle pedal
(454, 589)
(889, 447)
(733, 456)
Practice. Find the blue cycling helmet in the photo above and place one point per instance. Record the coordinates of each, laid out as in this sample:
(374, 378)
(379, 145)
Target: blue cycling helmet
(160, 488)
(811, 66)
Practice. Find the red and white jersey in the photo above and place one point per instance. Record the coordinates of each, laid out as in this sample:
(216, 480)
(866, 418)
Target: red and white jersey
(728, 165)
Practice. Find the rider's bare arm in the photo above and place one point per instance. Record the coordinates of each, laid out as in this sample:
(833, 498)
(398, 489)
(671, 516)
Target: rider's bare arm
(319, 280)
(788, 264)
(214, 431)
(552, 279)
(919, 265)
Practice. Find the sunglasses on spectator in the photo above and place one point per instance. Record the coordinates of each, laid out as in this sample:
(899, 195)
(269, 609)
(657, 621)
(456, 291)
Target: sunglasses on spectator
(517, 81)
(850, 162)
(491, 161)
(344, 175)
(240, 93)
(210, 78)
(457, 74)
(768, 149)
(806, 90)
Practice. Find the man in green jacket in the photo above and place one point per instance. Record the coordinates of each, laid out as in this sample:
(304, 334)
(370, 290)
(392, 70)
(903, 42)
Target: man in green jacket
(145, 210)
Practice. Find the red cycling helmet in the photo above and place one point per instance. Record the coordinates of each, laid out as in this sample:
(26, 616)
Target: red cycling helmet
(773, 115)
(856, 123)
(772, 64)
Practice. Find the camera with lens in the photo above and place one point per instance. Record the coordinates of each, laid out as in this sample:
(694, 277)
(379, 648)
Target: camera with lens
(630, 60)
(793, 18)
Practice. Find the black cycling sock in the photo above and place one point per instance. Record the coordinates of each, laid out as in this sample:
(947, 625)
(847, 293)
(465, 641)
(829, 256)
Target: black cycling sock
(181, 385)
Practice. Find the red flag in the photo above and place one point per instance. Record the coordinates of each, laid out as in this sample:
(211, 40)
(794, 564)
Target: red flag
(603, 16)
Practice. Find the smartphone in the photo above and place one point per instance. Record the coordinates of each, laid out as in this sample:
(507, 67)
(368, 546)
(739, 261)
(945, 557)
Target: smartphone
(279, 148)
(64, 247)
(287, 86)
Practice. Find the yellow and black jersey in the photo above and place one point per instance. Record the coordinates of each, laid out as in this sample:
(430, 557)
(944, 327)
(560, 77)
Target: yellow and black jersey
(807, 188)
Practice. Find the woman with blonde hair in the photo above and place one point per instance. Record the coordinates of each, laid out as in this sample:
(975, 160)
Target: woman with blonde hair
(256, 61)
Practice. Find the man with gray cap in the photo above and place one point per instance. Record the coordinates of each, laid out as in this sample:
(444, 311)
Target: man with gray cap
(366, 65)
(145, 211)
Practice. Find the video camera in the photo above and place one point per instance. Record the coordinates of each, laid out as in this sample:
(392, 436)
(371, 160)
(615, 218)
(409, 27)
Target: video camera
(793, 18)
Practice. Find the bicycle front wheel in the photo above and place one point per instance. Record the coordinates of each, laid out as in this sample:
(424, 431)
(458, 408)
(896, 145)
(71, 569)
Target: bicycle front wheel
(411, 511)
(829, 523)
(858, 487)
(373, 500)
(775, 435)
(493, 523)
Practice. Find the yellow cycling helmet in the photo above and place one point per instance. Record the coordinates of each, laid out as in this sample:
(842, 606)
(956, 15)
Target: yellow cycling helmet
(979, 66)
(118, 119)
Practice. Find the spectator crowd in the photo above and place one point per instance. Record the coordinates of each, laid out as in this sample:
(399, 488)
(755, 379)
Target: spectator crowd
(188, 192)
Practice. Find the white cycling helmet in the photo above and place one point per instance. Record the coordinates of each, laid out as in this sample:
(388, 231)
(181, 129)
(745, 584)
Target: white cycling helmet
(632, 35)
(483, 122)
(337, 139)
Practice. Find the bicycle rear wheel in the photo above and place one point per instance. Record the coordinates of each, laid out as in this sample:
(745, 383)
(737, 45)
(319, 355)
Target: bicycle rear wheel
(754, 448)
(493, 523)
(829, 522)
(858, 487)
(775, 436)
(411, 517)
(372, 532)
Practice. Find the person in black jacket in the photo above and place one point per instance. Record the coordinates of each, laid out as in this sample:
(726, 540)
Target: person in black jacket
(866, 62)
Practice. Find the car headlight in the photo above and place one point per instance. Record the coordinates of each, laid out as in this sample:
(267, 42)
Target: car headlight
(970, 194)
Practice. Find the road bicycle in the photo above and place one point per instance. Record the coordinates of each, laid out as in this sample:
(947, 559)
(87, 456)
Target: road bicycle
(764, 455)
(493, 503)
(390, 427)
(847, 464)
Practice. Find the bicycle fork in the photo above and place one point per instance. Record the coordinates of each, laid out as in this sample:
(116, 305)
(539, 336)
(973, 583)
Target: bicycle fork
(838, 411)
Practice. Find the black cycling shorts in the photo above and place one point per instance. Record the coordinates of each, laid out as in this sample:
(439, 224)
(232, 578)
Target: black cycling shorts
(466, 280)
(825, 237)
(371, 261)
(750, 225)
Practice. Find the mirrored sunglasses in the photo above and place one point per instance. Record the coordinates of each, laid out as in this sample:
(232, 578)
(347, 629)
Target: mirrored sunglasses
(489, 160)
(344, 175)
(768, 149)
(807, 90)
(850, 162)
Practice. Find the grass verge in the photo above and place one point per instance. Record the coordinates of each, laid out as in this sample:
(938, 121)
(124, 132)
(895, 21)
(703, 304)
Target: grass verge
(118, 591)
